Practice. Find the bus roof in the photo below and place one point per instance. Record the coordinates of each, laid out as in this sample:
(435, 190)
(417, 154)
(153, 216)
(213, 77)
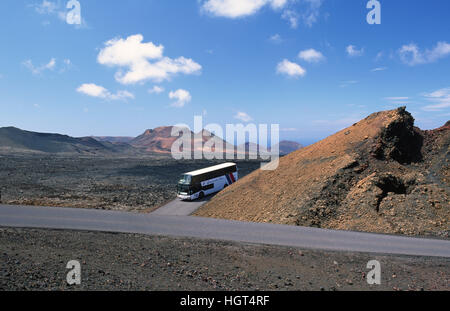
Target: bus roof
(211, 169)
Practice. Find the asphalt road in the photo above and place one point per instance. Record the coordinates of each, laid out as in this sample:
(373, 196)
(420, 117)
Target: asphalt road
(188, 226)
(181, 208)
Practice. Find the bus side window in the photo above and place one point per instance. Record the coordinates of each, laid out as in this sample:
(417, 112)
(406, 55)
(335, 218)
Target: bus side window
(210, 186)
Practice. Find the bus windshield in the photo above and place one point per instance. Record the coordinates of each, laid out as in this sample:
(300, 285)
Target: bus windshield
(185, 179)
(184, 189)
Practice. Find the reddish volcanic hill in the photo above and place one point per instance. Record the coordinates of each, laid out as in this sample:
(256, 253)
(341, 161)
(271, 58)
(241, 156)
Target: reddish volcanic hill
(380, 175)
(158, 140)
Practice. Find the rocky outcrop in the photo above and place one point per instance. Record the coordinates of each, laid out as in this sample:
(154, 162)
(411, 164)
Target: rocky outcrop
(380, 175)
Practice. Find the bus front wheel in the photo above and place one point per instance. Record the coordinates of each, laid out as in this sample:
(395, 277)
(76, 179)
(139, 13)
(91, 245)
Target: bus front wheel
(201, 195)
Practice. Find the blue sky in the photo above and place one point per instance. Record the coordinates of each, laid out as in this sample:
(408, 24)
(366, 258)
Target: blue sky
(312, 66)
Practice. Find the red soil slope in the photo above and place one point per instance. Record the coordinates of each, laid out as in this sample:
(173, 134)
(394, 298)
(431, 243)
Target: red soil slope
(380, 175)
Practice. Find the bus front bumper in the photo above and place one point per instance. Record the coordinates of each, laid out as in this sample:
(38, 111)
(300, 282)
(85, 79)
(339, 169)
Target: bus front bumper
(184, 197)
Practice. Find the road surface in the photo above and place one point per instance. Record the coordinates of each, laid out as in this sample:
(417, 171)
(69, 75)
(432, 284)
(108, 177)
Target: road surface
(207, 228)
(181, 208)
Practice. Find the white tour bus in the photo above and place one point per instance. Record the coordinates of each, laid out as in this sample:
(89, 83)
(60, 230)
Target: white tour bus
(198, 184)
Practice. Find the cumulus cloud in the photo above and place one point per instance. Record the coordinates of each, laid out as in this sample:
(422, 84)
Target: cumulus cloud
(440, 99)
(143, 61)
(239, 8)
(182, 98)
(352, 51)
(36, 70)
(244, 117)
(242, 8)
(411, 55)
(291, 69)
(311, 56)
(156, 90)
(98, 91)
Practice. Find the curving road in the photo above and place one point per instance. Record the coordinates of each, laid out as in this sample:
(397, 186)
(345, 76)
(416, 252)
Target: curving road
(164, 223)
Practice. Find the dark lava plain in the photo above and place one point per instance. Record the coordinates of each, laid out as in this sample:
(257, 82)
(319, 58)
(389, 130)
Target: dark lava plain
(100, 182)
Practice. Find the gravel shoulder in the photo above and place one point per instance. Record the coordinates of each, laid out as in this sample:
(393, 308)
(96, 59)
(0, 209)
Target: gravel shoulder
(35, 259)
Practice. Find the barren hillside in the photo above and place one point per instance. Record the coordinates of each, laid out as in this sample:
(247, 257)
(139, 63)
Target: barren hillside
(380, 175)
(16, 140)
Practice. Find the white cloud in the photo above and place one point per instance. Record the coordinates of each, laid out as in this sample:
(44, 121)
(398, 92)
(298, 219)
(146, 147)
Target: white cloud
(156, 90)
(135, 56)
(379, 69)
(311, 12)
(57, 9)
(411, 55)
(291, 69)
(120, 95)
(244, 117)
(93, 90)
(440, 98)
(352, 51)
(182, 98)
(276, 38)
(36, 70)
(292, 17)
(51, 64)
(311, 56)
(46, 7)
(239, 8)
(242, 8)
(98, 91)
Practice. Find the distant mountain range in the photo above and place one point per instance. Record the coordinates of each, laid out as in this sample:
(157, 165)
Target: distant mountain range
(114, 139)
(285, 147)
(158, 140)
(17, 140)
